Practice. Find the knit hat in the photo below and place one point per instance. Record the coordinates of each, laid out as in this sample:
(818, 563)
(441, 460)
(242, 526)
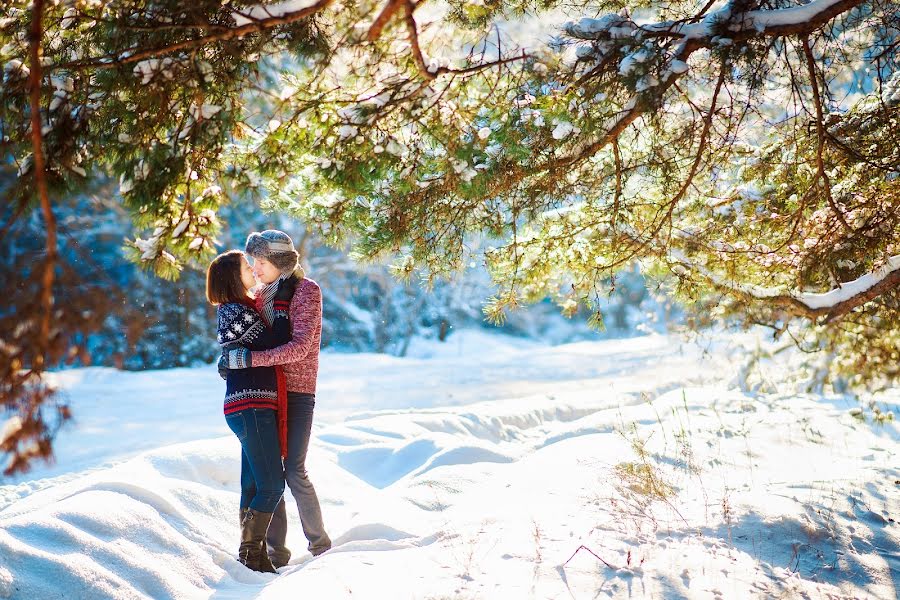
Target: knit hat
(275, 246)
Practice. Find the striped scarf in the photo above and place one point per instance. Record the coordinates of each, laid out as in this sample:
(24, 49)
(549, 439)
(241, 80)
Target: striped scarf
(265, 300)
(265, 306)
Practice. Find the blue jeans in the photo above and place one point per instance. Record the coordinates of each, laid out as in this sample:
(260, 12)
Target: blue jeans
(262, 474)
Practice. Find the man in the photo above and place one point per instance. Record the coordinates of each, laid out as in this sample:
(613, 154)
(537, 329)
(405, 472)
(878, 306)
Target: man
(274, 257)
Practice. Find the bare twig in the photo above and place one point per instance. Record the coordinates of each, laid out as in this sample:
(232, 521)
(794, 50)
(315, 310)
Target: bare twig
(820, 133)
(20, 208)
(594, 554)
(618, 196)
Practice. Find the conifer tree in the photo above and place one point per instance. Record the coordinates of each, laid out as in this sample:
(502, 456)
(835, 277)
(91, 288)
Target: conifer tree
(745, 152)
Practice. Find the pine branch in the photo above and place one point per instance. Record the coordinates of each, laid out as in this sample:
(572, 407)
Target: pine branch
(137, 54)
(693, 42)
(408, 8)
(803, 304)
(820, 133)
(798, 20)
(701, 148)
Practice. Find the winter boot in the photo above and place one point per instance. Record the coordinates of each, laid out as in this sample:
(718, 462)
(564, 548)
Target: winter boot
(252, 551)
(268, 558)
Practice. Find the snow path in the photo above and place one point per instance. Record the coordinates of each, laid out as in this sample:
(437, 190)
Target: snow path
(477, 473)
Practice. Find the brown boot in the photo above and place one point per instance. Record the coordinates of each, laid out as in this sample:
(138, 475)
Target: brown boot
(251, 552)
(269, 554)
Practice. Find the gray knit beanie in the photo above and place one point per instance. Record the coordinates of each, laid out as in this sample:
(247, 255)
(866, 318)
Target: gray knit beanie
(275, 246)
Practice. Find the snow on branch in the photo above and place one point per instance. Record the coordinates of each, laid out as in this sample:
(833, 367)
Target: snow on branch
(260, 12)
(848, 290)
(832, 304)
(691, 37)
(784, 21)
(252, 20)
(804, 17)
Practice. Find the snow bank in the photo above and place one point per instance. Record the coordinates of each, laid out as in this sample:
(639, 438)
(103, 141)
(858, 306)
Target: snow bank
(763, 495)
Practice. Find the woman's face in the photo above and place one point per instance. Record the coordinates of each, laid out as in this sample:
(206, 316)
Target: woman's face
(247, 277)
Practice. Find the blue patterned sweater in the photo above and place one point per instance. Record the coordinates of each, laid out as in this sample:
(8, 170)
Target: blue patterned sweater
(241, 327)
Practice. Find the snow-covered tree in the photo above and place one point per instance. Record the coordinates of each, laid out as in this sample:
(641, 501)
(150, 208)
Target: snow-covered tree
(748, 152)
(745, 151)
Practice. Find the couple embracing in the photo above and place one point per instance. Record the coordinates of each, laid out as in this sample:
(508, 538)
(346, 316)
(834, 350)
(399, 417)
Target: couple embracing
(269, 328)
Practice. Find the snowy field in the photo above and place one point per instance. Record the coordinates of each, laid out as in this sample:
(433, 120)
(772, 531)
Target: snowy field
(486, 467)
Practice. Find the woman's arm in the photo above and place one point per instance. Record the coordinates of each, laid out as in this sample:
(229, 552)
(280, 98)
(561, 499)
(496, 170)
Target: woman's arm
(241, 327)
(255, 334)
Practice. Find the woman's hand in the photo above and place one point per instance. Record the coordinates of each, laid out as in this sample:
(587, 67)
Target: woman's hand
(238, 358)
(222, 365)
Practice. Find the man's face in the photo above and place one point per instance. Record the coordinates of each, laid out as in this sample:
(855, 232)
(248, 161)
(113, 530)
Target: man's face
(265, 271)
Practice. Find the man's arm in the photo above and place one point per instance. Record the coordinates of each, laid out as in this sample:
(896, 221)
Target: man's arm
(306, 316)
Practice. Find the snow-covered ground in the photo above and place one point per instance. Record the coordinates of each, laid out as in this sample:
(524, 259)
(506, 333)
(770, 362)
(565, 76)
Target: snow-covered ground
(486, 467)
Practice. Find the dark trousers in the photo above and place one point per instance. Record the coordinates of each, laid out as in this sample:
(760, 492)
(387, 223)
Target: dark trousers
(262, 476)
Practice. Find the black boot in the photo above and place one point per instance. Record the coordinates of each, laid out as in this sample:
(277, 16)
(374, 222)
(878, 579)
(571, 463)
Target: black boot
(252, 551)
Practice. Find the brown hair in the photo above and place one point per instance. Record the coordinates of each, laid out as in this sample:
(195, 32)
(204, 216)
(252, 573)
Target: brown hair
(223, 279)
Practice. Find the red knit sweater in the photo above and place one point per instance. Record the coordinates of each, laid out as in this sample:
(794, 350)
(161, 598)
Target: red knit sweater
(300, 356)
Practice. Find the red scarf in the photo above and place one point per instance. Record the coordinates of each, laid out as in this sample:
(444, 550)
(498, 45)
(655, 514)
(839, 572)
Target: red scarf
(281, 383)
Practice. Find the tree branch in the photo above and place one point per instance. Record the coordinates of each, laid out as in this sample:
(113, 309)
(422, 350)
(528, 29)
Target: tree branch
(135, 54)
(383, 17)
(408, 8)
(820, 133)
(832, 305)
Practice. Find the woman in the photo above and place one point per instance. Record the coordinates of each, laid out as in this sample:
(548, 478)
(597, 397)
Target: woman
(255, 398)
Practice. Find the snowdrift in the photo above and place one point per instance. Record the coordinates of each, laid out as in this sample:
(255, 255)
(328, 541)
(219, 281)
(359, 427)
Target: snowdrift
(615, 469)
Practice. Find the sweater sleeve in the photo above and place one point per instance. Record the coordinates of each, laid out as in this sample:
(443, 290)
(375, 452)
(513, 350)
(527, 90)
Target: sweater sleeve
(306, 317)
(248, 330)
